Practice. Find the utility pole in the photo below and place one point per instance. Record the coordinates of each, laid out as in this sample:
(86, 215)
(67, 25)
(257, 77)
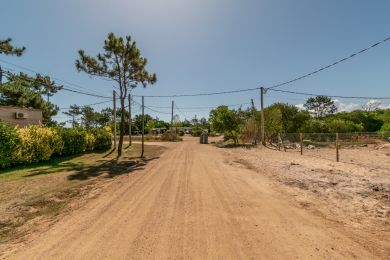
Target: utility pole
(262, 115)
(143, 128)
(130, 143)
(114, 116)
(173, 103)
(254, 122)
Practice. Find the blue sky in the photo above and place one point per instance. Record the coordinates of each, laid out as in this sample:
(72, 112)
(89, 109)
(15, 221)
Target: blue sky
(198, 46)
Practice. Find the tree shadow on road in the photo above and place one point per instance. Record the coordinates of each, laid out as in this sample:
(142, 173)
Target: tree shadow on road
(112, 168)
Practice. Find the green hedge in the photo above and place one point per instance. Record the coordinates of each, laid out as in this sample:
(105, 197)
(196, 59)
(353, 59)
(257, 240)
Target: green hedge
(74, 139)
(9, 144)
(38, 143)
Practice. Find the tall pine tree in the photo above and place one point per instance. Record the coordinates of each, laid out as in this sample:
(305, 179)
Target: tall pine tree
(121, 62)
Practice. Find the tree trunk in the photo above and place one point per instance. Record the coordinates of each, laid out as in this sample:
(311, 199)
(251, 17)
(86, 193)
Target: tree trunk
(121, 127)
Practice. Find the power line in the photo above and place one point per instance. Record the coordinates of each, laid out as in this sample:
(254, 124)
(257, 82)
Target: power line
(211, 107)
(151, 109)
(93, 104)
(70, 84)
(73, 90)
(330, 65)
(331, 96)
(198, 94)
(178, 109)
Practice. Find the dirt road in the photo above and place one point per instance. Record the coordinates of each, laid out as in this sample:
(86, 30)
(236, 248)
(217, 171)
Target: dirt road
(191, 204)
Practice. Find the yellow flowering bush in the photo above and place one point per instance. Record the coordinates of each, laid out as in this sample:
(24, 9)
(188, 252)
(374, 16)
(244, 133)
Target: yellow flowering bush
(90, 142)
(37, 143)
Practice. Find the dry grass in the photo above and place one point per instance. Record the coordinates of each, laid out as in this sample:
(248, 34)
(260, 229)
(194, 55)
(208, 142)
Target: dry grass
(42, 190)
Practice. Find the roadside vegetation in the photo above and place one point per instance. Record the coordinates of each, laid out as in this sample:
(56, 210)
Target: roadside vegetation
(39, 143)
(44, 189)
(320, 116)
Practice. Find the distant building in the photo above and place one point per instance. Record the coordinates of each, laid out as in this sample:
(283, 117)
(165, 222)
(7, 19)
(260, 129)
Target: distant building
(21, 116)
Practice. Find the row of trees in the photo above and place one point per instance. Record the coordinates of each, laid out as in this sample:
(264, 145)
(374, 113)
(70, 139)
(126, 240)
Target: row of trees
(120, 62)
(319, 117)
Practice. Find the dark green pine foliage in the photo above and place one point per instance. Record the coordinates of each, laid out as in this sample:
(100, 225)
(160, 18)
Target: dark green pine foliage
(121, 62)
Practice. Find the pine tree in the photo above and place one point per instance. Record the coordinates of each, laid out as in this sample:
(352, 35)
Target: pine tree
(7, 49)
(121, 62)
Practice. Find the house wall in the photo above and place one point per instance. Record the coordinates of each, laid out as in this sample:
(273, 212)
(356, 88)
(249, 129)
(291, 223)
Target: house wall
(34, 116)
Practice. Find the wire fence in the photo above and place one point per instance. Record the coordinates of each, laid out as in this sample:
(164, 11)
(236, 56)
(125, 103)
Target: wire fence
(366, 149)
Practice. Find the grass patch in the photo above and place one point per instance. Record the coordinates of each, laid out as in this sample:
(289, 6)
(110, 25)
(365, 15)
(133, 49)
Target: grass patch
(45, 189)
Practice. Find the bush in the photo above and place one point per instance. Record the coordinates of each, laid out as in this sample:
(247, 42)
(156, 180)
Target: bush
(103, 139)
(75, 140)
(38, 143)
(196, 131)
(170, 137)
(181, 133)
(385, 127)
(9, 144)
(343, 126)
(90, 142)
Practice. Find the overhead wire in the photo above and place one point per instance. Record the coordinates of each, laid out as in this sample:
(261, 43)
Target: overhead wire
(331, 96)
(330, 65)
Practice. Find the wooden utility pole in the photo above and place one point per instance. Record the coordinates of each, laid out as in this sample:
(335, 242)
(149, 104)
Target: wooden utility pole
(130, 143)
(337, 147)
(254, 122)
(301, 139)
(114, 115)
(143, 127)
(173, 103)
(262, 116)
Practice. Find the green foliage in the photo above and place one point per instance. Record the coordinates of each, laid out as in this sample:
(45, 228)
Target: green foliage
(38, 144)
(25, 91)
(121, 62)
(170, 137)
(283, 118)
(74, 140)
(314, 126)
(385, 127)
(196, 131)
(226, 121)
(7, 48)
(343, 126)
(181, 133)
(9, 144)
(320, 105)
(103, 139)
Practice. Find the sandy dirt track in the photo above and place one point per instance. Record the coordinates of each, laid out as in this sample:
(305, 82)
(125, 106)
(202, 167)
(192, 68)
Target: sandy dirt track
(192, 204)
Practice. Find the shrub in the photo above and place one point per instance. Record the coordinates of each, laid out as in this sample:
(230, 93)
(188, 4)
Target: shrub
(103, 139)
(343, 126)
(38, 143)
(170, 137)
(196, 131)
(90, 142)
(385, 127)
(56, 142)
(74, 139)
(181, 133)
(9, 144)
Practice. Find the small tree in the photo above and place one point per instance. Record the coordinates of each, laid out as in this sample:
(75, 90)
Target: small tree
(74, 112)
(320, 105)
(225, 121)
(121, 62)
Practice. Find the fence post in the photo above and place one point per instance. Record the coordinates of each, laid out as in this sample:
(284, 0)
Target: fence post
(301, 140)
(279, 141)
(337, 147)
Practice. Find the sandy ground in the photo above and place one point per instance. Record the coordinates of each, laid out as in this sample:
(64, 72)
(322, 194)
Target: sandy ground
(196, 202)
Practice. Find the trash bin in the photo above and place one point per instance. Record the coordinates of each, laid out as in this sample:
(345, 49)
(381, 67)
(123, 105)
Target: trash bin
(204, 138)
